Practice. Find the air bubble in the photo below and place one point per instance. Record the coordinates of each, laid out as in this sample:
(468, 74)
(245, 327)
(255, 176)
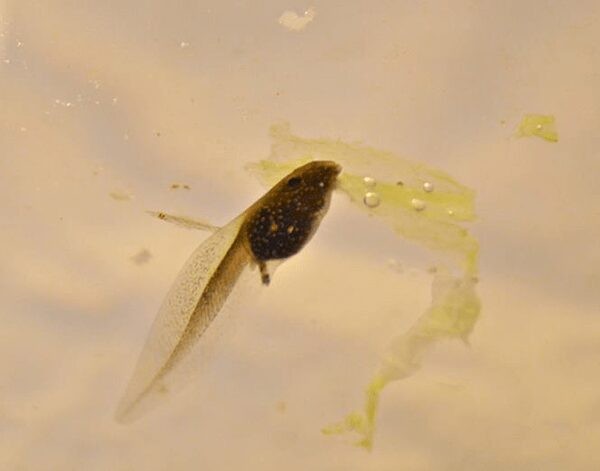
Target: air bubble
(371, 199)
(428, 187)
(369, 182)
(417, 204)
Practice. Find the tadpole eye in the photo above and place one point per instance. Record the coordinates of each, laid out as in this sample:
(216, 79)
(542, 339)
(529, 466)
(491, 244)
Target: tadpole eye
(294, 182)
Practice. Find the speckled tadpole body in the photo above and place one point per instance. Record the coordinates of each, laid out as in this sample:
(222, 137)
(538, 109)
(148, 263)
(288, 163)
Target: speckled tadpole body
(276, 227)
(283, 221)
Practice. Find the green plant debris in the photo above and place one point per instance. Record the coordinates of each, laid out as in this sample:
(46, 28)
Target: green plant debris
(419, 203)
(543, 126)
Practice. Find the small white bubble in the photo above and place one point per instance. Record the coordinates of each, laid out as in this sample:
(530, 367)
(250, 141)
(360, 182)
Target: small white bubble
(19, 43)
(371, 199)
(450, 212)
(417, 204)
(369, 182)
(428, 187)
(68, 104)
(6, 61)
(115, 100)
(538, 126)
(23, 129)
(183, 44)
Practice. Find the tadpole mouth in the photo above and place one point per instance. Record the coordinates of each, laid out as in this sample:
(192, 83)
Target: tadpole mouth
(334, 166)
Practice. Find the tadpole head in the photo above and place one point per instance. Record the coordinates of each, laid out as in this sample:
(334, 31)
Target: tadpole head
(283, 220)
(315, 178)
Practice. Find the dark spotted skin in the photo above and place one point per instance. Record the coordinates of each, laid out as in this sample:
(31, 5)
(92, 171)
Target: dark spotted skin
(284, 220)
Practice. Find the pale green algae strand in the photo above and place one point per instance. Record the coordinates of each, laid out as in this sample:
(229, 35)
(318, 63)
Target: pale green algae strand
(455, 306)
(543, 126)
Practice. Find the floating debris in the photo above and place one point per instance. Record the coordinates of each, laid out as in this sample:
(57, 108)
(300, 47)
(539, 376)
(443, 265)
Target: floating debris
(142, 257)
(120, 195)
(66, 104)
(293, 22)
(184, 221)
(538, 125)
(176, 186)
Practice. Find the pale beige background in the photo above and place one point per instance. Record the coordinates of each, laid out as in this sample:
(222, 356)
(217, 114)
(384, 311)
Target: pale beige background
(101, 96)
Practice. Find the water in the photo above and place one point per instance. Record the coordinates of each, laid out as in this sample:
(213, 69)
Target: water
(446, 86)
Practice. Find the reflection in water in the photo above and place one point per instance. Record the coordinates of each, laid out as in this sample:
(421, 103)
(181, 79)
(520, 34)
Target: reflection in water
(414, 211)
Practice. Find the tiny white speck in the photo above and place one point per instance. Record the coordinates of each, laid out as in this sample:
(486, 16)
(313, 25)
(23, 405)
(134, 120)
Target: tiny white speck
(183, 44)
(428, 187)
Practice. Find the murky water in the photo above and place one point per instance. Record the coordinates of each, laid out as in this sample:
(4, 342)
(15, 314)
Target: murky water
(113, 110)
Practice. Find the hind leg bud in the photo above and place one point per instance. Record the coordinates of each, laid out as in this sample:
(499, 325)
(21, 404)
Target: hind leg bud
(264, 273)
